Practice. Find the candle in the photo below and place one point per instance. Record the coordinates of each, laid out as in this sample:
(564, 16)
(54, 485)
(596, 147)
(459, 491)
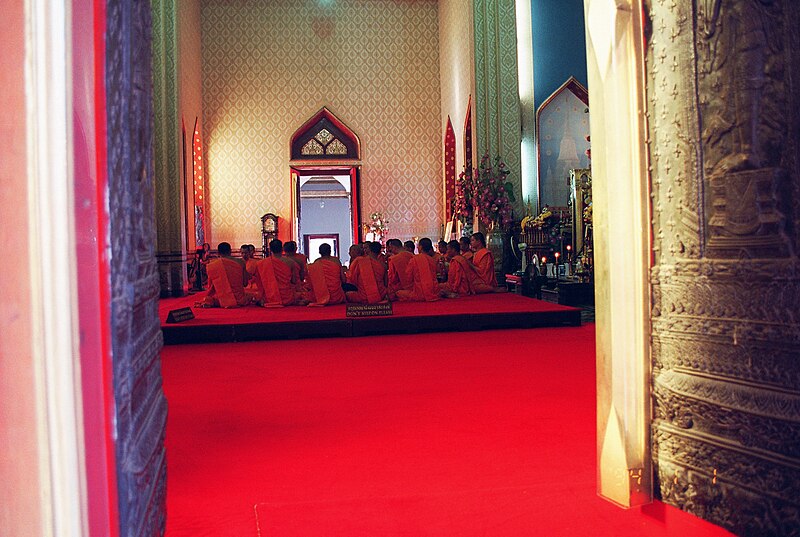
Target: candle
(555, 268)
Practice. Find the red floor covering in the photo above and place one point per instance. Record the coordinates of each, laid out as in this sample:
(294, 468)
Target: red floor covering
(494, 303)
(393, 436)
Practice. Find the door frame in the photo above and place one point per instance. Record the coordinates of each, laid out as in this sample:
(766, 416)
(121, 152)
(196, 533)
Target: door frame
(354, 171)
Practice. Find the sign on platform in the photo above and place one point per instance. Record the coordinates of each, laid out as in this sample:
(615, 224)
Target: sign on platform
(369, 310)
(180, 315)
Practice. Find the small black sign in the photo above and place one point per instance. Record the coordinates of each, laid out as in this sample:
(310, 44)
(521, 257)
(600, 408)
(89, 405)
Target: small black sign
(369, 310)
(183, 314)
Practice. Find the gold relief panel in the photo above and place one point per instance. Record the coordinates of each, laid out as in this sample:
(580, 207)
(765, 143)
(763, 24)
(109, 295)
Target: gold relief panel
(336, 148)
(312, 147)
(324, 136)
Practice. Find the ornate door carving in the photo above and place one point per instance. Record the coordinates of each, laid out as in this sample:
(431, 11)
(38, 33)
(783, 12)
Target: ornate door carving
(726, 280)
(135, 332)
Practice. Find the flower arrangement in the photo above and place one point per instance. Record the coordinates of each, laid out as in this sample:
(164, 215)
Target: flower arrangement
(463, 201)
(378, 226)
(487, 190)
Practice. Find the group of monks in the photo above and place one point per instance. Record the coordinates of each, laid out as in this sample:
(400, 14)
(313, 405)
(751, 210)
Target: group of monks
(285, 278)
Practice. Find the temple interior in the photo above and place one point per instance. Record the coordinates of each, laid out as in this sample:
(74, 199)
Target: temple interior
(632, 166)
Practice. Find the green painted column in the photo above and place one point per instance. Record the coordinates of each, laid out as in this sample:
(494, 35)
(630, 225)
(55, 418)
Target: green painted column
(497, 105)
(169, 202)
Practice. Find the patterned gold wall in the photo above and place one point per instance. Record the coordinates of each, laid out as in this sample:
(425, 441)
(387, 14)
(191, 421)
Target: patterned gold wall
(269, 66)
(497, 108)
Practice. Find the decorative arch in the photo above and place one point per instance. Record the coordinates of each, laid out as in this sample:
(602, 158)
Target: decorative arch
(324, 137)
(562, 127)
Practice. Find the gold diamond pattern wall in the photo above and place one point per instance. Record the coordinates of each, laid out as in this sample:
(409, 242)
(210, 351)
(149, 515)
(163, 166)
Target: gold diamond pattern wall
(269, 66)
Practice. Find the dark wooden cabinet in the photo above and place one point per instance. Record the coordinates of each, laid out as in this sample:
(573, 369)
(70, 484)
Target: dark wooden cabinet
(570, 294)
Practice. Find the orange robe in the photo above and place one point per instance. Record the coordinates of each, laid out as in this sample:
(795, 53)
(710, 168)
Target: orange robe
(467, 255)
(251, 267)
(422, 270)
(484, 265)
(296, 272)
(383, 258)
(325, 281)
(252, 270)
(226, 290)
(460, 277)
(369, 276)
(276, 276)
(398, 279)
(302, 263)
(440, 260)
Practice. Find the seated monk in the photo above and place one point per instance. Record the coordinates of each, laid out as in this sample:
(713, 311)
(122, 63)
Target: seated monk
(325, 279)
(227, 278)
(382, 257)
(278, 278)
(399, 258)
(466, 251)
(483, 260)
(422, 271)
(290, 252)
(441, 266)
(251, 266)
(354, 252)
(461, 276)
(368, 275)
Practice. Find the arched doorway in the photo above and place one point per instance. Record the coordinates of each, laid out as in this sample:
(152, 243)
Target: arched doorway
(325, 171)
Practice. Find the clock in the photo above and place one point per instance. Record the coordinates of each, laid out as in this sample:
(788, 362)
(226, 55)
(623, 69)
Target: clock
(269, 231)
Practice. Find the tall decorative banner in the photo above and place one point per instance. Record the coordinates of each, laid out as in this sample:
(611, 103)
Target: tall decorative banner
(468, 136)
(199, 182)
(449, 168)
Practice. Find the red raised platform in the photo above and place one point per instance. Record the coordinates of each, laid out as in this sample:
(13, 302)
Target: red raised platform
(503, 310)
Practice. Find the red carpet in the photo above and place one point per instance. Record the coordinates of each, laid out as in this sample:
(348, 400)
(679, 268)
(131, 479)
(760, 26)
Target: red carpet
(393, 436)
(494, 303)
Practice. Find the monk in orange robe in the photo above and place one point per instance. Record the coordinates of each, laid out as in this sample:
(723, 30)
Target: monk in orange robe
(399, 258)
(483, 260)
(382, 256)
(460, 273)
(278, 277)
(441, 265)
(325, 278)
(227, 277)
(422, 271)
(251, 266)
(368, 275)
(410, 247)
(461, 277)
(466, 251)
(290, 252)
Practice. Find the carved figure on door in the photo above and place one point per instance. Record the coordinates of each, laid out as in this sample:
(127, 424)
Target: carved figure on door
(740, 54)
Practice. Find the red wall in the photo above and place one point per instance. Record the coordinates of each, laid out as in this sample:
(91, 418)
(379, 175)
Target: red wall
(20, 510)
(91, 228)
